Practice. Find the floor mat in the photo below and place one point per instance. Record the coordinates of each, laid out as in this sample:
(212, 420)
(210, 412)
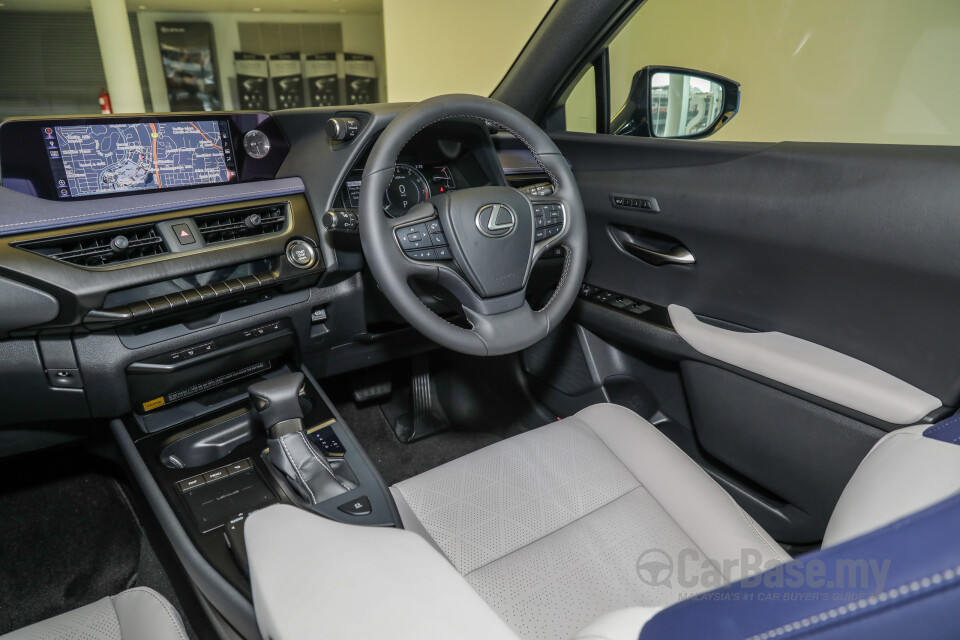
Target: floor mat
(397, 461)
(69, 538)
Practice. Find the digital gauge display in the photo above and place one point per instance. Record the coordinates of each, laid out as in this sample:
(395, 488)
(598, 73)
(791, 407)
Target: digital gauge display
(407, 189)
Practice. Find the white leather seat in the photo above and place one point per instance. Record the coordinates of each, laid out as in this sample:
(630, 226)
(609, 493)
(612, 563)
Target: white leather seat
(551, 529)
(567, 522)
(135, 614)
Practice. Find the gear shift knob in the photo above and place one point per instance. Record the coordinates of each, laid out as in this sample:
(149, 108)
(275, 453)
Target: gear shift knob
(278, 399)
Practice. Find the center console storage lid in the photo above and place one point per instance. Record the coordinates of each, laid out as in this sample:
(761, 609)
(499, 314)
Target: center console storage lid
(362, 582)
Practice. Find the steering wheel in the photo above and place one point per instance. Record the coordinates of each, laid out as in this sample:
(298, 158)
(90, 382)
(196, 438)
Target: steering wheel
(493, 237)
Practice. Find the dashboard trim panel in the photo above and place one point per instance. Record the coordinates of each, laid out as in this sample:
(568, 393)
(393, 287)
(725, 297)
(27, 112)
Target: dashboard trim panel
(28, 214)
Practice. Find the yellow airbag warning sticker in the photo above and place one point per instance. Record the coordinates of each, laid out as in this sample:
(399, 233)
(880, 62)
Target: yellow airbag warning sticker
(153, 404)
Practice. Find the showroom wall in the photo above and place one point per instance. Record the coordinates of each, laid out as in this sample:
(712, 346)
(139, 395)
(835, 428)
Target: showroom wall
(454, 46)
(361, 33)
(852, 71)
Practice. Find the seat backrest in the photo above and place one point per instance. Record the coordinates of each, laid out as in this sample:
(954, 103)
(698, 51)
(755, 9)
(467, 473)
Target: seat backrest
(900, 581)
(906, 471)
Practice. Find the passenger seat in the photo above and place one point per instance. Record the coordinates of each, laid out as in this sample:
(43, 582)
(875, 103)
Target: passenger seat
(135, 614)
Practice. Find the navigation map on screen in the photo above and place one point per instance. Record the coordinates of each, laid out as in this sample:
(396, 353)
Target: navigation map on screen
(105, 158)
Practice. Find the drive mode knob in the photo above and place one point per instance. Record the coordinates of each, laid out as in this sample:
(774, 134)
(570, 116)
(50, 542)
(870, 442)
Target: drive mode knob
(301, 254)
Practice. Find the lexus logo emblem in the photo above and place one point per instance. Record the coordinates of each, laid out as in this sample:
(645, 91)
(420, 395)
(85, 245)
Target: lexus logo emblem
(496, 220)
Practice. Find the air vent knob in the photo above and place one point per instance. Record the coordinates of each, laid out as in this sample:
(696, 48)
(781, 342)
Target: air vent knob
(253, 221)
(119, 244)
(342, 128)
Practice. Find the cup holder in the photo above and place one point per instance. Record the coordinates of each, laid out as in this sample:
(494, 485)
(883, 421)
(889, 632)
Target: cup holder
(208, 443)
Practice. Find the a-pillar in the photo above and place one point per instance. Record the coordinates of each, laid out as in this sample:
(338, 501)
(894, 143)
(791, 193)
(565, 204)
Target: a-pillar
(119, 57)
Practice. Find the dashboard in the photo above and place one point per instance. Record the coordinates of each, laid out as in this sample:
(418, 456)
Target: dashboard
(93, 158)
(139, 254)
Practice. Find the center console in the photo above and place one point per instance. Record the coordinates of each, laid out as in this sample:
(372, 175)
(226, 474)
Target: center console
(215, 469)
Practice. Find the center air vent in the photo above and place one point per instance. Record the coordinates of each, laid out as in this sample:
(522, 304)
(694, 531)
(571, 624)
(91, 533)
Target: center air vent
(224, 226)
(100, 248)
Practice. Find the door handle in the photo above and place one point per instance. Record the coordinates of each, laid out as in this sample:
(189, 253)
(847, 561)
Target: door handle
(677, 255)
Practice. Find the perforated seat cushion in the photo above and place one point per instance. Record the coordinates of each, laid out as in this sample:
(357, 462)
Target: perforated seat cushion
(549, 526)
(135, 614)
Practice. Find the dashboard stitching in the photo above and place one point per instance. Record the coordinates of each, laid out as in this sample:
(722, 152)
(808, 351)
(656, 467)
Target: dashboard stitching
(277, 191)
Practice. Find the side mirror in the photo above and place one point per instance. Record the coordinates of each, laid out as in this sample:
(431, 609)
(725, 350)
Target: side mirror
(668, 102)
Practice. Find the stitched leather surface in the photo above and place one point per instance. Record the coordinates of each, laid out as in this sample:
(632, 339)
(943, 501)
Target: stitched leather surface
(557, 585)
(95, 621)
(494, 501)
(134, 614)
(27, 213)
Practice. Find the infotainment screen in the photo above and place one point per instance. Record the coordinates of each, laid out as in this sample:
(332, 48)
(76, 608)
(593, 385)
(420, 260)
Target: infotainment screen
(103, 158)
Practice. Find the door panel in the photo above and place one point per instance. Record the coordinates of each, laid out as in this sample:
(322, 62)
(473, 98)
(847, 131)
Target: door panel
(850, 247)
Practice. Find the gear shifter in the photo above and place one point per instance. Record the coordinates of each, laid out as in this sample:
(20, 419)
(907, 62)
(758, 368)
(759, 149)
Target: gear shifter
(307, 470)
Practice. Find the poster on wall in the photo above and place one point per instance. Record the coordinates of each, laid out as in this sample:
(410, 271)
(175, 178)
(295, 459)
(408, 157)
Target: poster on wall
(323, 86)
(360, 78)
(286, 74)
(253, 80)
(189, 67)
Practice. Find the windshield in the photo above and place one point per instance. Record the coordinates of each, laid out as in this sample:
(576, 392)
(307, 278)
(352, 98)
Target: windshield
(78, 57)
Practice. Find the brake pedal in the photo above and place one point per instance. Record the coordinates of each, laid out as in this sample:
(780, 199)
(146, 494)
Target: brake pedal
(372, 393)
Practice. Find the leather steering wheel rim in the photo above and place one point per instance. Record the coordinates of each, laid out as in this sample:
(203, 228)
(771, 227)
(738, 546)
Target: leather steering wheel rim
(502, 321)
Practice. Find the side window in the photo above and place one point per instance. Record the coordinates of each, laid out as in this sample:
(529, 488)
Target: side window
(861, 71)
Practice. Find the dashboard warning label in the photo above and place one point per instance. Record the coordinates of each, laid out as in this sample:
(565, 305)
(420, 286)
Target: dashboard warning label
(153, 404)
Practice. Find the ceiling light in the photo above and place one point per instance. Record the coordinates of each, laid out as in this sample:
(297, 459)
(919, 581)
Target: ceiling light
(142, 7)
(257, 9)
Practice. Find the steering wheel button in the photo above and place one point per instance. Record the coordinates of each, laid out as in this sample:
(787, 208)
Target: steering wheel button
(438, 239)
(443, 253)
(434, 226)
(549, 232)
(416, 236)
(539, 234)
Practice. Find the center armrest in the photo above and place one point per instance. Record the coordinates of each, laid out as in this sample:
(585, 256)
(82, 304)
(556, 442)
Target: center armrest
(314, 577)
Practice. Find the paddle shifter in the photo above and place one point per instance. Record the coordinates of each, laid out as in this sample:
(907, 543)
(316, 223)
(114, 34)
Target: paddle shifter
(307, 470)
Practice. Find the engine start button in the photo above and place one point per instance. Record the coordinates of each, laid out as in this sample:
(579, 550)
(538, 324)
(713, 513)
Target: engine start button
(301, 254)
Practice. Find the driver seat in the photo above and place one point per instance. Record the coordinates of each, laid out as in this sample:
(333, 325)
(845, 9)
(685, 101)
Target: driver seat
(567, 522)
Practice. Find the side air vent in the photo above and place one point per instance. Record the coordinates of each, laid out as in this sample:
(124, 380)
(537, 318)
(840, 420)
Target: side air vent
(224, 226)
(100, 248)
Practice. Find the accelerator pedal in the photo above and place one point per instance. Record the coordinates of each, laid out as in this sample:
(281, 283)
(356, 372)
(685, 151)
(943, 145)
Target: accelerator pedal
(426, 418)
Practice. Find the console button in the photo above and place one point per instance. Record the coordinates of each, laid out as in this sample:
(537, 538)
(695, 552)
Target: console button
(216, 474)
(207, 292)
(301, 254)
(415, 236)
(190, 483)
(184, 234)
(159, 304)
(423, 254)
(192, 296)
(357, 507)
(140, 309)
(176, 300)
(237, 467)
